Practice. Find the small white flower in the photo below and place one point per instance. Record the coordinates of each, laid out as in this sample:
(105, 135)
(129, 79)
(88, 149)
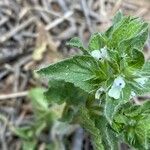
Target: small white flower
(116, 88)
(119, 82)
(96, 54)
(114, 92)
(104, 53)
(141, 81)
(100, 54)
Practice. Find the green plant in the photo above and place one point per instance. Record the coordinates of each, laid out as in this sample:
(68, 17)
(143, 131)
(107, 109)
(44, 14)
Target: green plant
(46, 119)
(98, 86)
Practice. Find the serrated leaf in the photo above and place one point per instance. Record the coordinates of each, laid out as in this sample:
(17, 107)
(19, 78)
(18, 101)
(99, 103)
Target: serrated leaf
(89, 125)
(96, 42)
(75, 42)
(79, 70)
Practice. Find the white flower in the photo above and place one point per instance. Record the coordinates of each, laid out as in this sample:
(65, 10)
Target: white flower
(141, 81)
(96, 54)
(104, 53)
(116, 88)
(100, 54)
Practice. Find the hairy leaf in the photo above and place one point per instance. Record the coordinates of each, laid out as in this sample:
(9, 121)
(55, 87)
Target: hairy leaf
(112, 139)
(89, 125)
(109, 138)
(127, 28)
(135, 130)
(79, 70)
(137, 41)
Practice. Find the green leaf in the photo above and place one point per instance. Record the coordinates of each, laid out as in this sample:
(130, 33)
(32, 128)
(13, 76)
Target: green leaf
(30, 132)
(60, 92)
(63, 92)
(101, 123)
(126, 28)
(109, 139)
(25, 132)
(133, 59)
(75, 42)
(118, 17)
(41, 109)
(146, 88)
(137, 41)
(112, 139)
(145, 69)
(133, 123)
(96, 42)
(29, 145)
(113, 105)
(141, 89)
(79, 70)
(111, 108)
(37, 98)
(87, 122)
(137, 87)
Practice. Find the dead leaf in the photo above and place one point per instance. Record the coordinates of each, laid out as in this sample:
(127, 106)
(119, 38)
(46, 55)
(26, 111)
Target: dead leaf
(38, 52)
(44, 42)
